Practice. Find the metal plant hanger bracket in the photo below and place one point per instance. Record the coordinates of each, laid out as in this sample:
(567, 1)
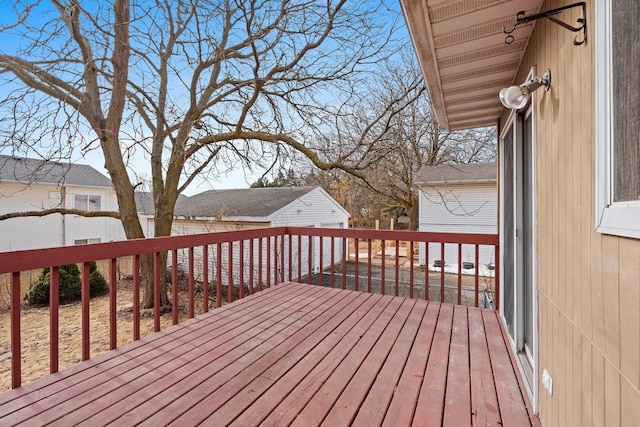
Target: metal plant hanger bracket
(549, 14)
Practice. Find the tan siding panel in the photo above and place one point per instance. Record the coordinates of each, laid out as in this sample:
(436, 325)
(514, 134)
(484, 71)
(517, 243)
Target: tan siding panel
(630, 311)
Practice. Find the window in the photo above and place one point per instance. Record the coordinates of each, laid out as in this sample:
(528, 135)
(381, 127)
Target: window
(617, 128)
(86, 241)
(89, 203)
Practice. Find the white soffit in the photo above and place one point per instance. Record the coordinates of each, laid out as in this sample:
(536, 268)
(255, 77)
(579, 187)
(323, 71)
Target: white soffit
(463, 55)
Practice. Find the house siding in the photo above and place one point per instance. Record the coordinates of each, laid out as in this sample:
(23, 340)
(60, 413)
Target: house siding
(314, 209)
(458, 208)
(588, 284)
(52, 230)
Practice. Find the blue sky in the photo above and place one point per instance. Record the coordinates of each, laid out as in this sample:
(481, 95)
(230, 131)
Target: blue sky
(237, 178)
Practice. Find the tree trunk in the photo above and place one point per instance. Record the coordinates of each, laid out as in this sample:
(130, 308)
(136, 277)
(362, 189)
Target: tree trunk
(413, 216)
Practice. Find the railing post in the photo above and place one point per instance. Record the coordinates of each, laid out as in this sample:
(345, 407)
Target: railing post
(191, 283)
(174, 286)
(241, 269)
(54, 303)
(156, 291)
(136, 297)
(219, 275)
(85, 310)
(16, 349)
(356, 243)
(496, 279)
(113, 294)
(411, 266)
(205, 278)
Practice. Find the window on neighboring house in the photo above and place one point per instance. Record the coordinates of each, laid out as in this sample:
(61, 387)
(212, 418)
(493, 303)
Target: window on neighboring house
(86, 241)
(617, 126)
(89, 203)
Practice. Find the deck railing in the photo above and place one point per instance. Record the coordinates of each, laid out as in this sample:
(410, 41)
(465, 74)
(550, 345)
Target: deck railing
(239, 263)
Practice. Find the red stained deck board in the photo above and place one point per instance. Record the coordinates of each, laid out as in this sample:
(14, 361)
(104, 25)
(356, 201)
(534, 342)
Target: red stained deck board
(321, 403)
(431, 400)
(165, 341)
(211, 394)
(484, 402)
(457, 409)
(314, 328)
(276, 389)
(297, 354)
(513, 410)
(211, 365)
(406, 394)
(131, 374)
(346, 407)
(289, 402)
(378, 399)
(213, 348)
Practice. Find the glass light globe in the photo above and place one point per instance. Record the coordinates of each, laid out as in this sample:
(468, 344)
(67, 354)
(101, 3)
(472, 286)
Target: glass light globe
(514, 97)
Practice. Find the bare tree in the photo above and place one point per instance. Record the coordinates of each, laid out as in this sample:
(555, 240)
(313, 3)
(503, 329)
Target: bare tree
(394, 133)
(193, 87)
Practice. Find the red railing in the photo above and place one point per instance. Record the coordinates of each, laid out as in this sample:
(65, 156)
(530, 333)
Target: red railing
(254, 260)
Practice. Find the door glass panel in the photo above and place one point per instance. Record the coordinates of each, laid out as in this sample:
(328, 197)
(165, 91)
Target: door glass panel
(528, 291)
(508, 232)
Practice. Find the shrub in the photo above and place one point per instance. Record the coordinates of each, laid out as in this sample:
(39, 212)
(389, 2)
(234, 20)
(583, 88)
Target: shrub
(70, 285)
(97, 283)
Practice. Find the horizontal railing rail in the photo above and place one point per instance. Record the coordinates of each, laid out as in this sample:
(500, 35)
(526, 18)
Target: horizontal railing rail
(242, 262)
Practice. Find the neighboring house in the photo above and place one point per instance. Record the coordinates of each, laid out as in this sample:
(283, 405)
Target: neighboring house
(458, 199)
(226, 210)
(35, 185)
(569, 184)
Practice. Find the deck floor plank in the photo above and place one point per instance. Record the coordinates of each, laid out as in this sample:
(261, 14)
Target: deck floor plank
(457, 410)
(208, 346)
(405, 397)
(430, 405)
(484, 402)
(301, 338)
(513, 410)
(134, 358)
(303, 357)
(299, 395)
(346, 407)
(323, 400)
(170, 397)
(379, 397)
(294, 354)
(167, 338)
(252, 411)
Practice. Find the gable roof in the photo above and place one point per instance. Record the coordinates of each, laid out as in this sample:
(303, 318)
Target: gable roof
(35, 171)
(458, 174)
(244, 202)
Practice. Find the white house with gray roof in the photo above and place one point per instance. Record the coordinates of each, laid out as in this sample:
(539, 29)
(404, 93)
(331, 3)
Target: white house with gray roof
(225, 210)
(458, 199)
(33, 185)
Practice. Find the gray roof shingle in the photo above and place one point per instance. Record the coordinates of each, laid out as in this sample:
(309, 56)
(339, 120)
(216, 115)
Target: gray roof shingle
(26, 171)
(245, 202)
(462, 173)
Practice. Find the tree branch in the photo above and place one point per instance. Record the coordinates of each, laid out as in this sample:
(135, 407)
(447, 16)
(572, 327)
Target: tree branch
(63, 211)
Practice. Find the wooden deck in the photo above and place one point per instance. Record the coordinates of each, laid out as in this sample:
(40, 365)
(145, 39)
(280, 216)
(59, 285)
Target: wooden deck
(294, 355)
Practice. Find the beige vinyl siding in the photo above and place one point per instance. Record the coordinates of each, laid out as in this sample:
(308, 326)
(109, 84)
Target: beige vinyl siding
(588, 284)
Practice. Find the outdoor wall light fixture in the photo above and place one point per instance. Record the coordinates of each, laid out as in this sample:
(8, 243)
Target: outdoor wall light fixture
(517, 97)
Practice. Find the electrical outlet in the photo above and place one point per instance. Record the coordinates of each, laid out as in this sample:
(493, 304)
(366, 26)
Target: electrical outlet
(547, 382)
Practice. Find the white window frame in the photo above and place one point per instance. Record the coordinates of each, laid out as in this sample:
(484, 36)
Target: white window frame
(87, 197)
(616, 218)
